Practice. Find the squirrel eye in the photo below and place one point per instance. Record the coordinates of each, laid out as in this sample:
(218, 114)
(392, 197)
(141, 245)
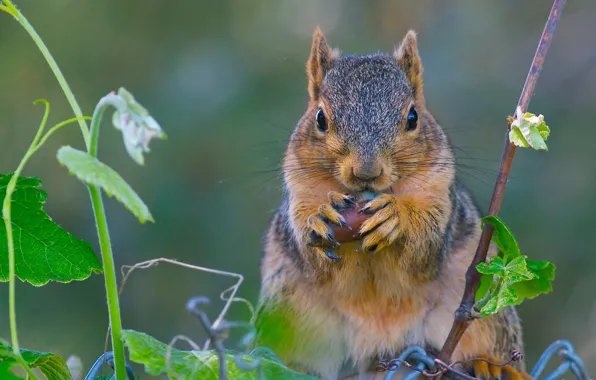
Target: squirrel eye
(412, 121)
(321, 121)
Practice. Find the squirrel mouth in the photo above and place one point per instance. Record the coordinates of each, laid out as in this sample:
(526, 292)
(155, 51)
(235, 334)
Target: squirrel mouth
(368, 194)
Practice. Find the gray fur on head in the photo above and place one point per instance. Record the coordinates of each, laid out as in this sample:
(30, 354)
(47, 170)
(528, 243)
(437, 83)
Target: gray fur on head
(367, 96)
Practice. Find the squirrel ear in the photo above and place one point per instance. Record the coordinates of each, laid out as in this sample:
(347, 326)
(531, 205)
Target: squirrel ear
(319, 62)
(408, 60)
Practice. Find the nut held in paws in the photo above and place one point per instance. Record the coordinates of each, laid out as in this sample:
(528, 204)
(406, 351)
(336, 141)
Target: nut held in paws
(354, 219)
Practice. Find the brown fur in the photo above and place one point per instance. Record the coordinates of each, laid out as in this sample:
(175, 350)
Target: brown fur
(399, 285)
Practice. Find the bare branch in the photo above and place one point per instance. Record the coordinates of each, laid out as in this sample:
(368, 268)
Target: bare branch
(463, 315)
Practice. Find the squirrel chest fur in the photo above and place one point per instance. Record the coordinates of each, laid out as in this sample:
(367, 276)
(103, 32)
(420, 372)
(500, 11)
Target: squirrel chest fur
(332, 309)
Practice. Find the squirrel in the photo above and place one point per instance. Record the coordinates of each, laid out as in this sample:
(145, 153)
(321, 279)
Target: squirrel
(333, 309)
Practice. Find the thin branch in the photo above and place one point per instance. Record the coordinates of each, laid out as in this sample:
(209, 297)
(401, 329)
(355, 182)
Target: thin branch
(463, 315)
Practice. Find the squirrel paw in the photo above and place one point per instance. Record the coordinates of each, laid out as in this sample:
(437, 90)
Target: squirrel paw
(321, 235)
(381, 229)
(483, 370)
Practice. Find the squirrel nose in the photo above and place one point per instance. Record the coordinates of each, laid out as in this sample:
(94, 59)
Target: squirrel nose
(367, 172)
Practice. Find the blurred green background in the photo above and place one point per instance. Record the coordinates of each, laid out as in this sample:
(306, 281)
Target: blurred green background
(226, 81)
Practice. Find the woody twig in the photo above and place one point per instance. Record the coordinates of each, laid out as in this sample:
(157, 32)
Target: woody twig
(463, 315)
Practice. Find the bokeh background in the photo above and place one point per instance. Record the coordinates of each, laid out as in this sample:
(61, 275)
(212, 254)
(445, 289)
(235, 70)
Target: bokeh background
(226, 81)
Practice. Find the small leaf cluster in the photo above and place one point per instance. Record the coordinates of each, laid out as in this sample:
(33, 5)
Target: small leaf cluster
(138, 127)
(509, 277)
(529, 130)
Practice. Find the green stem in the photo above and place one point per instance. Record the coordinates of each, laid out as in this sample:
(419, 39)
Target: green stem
(11, 266)
(106, 247)
(6, 215)
(11, 9)
(55, 128)
(108, 100)
(96, 199)
(110, 280)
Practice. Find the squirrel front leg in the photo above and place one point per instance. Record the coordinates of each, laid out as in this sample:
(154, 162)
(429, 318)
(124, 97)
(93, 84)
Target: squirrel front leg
(313, 222)
(416, 220)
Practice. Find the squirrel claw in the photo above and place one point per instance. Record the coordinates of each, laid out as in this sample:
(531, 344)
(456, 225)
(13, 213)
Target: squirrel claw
(372, 248)
(329, 214)
(341, 201)
(382, 228)
(326, 216)
(350, 200)
(343, 223)
(365, 210)
(331, 238)
(317, 241)
(332, 255)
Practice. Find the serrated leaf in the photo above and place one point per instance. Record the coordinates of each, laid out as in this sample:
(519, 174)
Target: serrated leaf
(43, 251)
(517, 270)
(503, 298)
(544, 274)
(529, 130)
(522, 279)
(51, 365)
(509, 278)
(502, 237)
(94, 172)
(495, 266)
(203, 365)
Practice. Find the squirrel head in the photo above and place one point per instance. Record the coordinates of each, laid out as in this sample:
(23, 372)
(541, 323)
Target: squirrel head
(366, 124)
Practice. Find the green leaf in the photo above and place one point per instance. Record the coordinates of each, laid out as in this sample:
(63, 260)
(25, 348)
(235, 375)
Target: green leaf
(504, 297)
(517, 138)
(43, 251)
(544, 274)
(496, 266)
(51, 365)
(504, 294)
(502, 237)
(543, 129)
(203, 365)
(517, 270)
(529, 130)
(486, 281)
(509, 278)
(94, 172)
